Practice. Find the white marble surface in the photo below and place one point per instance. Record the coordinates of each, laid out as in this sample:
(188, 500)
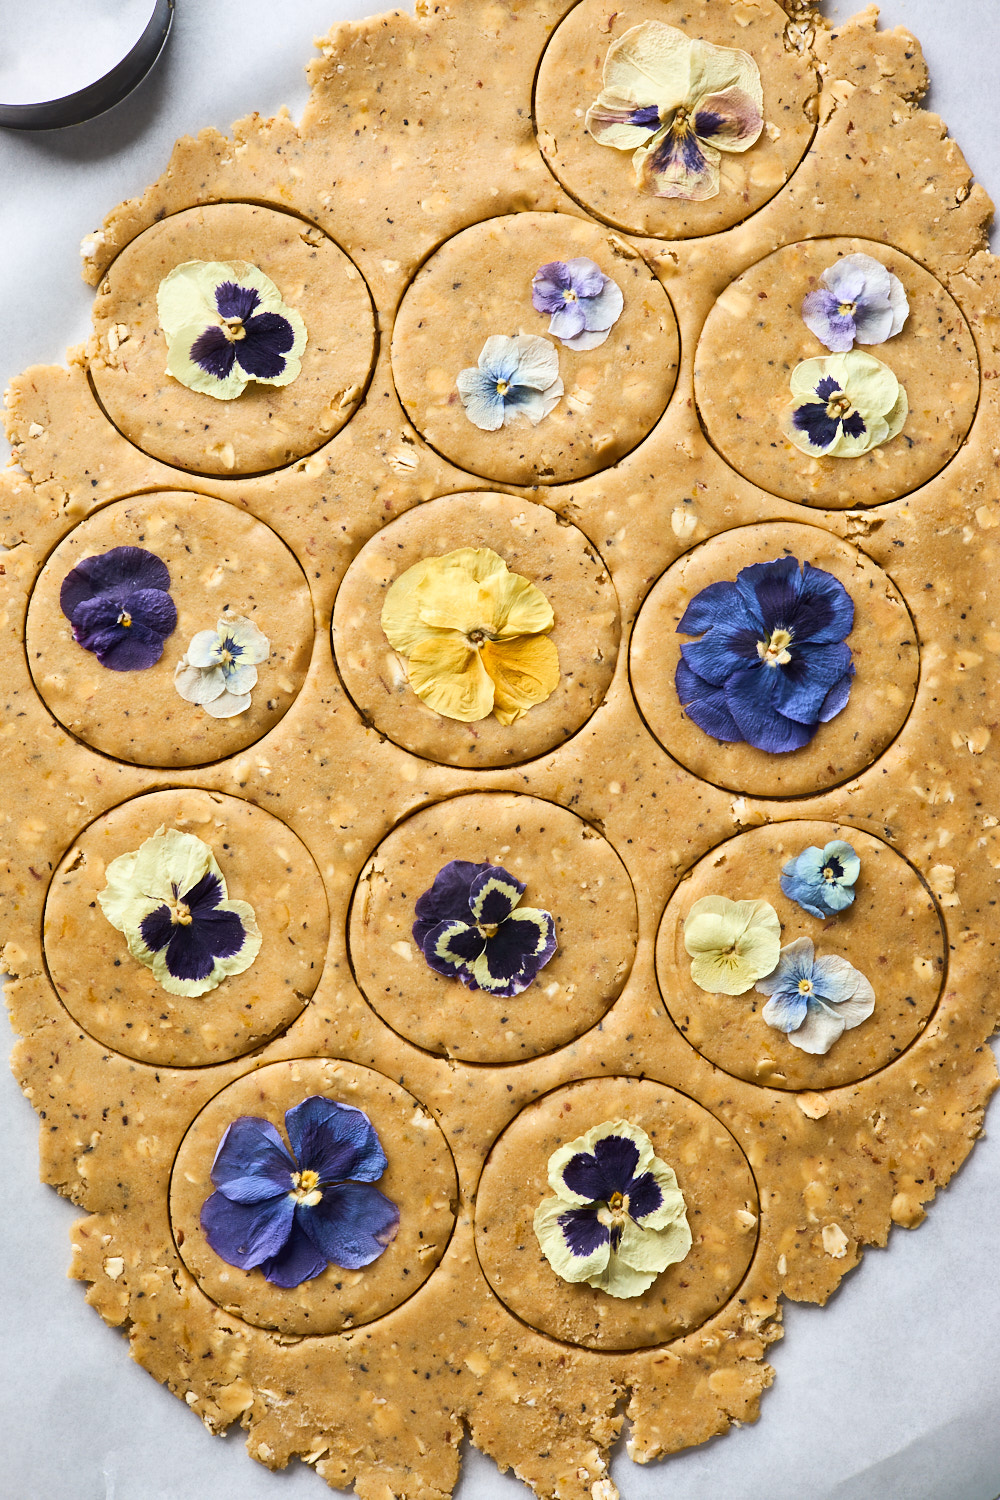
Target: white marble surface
(889, 1393)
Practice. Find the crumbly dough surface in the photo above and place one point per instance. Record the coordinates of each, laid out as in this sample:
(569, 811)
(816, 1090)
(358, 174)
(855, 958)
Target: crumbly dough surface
(385, 1404)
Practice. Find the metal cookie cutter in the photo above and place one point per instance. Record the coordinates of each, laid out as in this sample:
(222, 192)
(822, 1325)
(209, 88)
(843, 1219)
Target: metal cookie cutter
(95, 98)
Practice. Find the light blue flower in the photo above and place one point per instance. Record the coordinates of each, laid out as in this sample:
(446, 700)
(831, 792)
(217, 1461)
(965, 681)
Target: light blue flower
(815, 1000)
(219, 668)
(515, 377)
(822, 880)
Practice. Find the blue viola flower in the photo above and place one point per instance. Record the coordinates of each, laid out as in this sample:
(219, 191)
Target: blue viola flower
(292, 1215)
(514, 377)
(822, 880)
(772, 663)
(469, 927)
(857, 299)
(119, 608)
(618, 1217)
(815, 1000)
(584, 303)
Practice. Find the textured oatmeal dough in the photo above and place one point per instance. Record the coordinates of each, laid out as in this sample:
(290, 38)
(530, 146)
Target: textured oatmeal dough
(834, 1160)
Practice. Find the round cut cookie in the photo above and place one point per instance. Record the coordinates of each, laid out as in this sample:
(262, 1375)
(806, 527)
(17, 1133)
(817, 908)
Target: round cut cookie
(891, 933)
(222, 564)
(266, 426)
(568, 870)
(603, 179)
(882, 643)
(479, 285)
(419, 1179)
(712, 1172)
(755, 336)
(553, 556)
(116, 999)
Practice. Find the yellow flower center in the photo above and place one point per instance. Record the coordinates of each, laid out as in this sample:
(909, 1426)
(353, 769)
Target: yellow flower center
(503, 386)
(838, 406)
(774, 651)
(568, 294)
(682, 120)
(125, 618)
(305, 1188)
(805, 986)
(487, 929)
(847, 309)
(233, 329)
(828, 873)
(180, 912)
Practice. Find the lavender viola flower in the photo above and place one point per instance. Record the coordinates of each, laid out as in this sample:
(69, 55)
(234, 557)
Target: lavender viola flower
(119, 608)
(584, 303)
(858, 301)
(822, 881)
(225, 324)
(815, 1000)
(772, 663)
(290, 1215)
(469, 927)
(515, 377)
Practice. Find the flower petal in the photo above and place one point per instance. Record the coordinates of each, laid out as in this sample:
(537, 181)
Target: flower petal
(524, 671)
(800, 688)
(631, 1151)
(197, 359)
(822, 316)
(573, 1241)
(650, 1251)
(227, 705)
(785, 1011)
(732, 943)
(245, 1234)
(336, 1141)
(650, 64)
(722, 652)
(705, 705)
(512, 958)
(448, 897)
(748, 700)
(493, 895)
(676, 164)
(298, 1261)
(351, 1224)
(252, 1163)
(731, 120)
(449, 676)
(451, 948)
(818, 1032)
(205, 649)
(481, 400)
(615, 121)
(125, 568)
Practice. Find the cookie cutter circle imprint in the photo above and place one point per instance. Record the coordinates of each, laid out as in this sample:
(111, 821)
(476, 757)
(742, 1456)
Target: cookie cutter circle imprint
(105, 92)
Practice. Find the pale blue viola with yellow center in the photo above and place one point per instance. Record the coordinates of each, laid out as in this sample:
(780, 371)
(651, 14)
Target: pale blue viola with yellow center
(822, 880)
(219, 669)
(814, 1000)
(515, 376)
(470, 927)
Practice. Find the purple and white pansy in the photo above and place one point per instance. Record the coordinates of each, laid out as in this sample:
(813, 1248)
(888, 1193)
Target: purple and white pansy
(617, 1217)
(857, 301)
(583, 303)
(844, 405)
(292, 1214)
(815, 1000)
(676, 103)
(119, 608)
(470, 927)
(219, 668)
(169, 899)
(516, 376)
(225, 324)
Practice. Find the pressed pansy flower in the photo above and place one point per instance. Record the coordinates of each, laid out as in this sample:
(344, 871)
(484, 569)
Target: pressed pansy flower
(225, 324)
(584, 303)
(822, 880)
(118, 606)
(845, 405)
(219, 668)
(858, 301)
(169, 898)
(772, 663)
(515, 377)
(676, 102)
(618, 1217)
(815, 1000)
(470, 927)
(472, 635)
(732, 943)
(290, 1215)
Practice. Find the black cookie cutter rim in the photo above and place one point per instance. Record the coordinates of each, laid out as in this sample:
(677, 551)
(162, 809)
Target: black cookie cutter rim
(95, 98)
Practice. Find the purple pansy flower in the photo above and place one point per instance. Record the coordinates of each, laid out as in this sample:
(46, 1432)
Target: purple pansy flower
(469, 927)
(858, 300)
(292, 1215)
(119, 608)
(584, 303)
(772, 663)
(815, 1000)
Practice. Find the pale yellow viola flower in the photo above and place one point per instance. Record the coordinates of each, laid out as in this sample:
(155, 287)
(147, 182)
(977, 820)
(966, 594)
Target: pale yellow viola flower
(472, 634)
(732, 943)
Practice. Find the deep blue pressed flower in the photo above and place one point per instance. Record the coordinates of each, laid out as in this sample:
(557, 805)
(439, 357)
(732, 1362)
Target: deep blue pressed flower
(119, 607)
(822, 880)
(772, 663)
(469, 927)
(292, 1215)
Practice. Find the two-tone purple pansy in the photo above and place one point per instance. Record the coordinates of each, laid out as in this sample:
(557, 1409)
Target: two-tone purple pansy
(844, 405)
(290, 1215)
(583, 303)
(225, 324)
(815, 1000)
(618, 1217)
(676, 102)
(169, 898)
(859, 301)
(119, 607)
(772, 663)
(470, 927)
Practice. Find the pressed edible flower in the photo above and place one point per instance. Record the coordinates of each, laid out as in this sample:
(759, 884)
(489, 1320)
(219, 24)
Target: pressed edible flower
(676, 102)
(290, 1215)
(815, 1000)
(822, 880)
(515, 377)
(772, 663)
(584, 303)
(169, 898)
(618, 1217)
(845, 405)
(225, 324)
(219, 668)
(470, 927)
(732, 943)
(119, 608)
(857, 301)
(472, 635)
